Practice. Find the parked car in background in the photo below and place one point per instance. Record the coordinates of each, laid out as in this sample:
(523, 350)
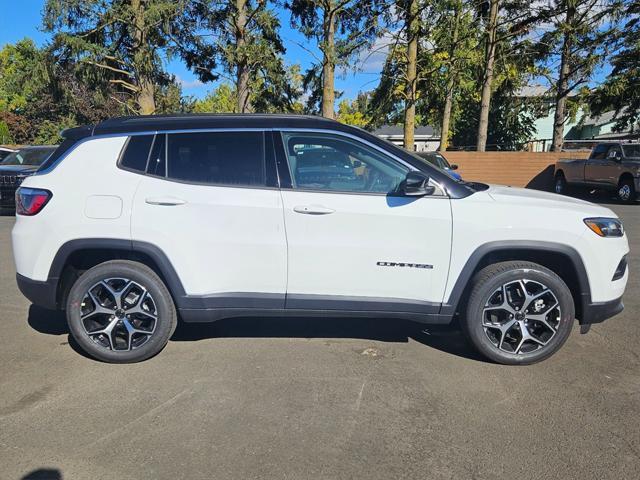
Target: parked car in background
(17, 166)
(137, 220)
(4, 151)
(611, 166)
(435, 158)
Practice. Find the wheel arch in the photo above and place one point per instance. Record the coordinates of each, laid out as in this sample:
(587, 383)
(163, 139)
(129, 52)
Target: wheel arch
(562, 259)
(77, 256)
(625, 176)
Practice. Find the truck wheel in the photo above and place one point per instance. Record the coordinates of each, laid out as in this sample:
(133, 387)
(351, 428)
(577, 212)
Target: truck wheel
(121, 312)
(626, 191)
(518, 313)
(560, 184)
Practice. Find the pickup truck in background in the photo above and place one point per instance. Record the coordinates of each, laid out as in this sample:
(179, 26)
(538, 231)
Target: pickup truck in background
(611, 166)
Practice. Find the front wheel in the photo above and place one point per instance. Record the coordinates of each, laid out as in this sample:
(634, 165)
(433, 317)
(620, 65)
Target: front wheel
(518, 313)
(120, 312)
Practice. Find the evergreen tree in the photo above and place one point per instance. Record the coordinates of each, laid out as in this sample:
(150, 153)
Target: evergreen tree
(621, 89)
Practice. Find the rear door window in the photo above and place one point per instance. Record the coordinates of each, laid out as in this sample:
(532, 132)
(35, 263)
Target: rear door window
(217, 158)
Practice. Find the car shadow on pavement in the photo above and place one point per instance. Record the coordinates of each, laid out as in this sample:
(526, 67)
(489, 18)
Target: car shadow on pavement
(43, 474)
(445, 338)
(448, 339)
(51, 322)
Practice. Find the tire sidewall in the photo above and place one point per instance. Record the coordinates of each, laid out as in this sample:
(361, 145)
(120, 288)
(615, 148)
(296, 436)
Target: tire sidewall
(166, 322)
(480, 295)
(560, 185)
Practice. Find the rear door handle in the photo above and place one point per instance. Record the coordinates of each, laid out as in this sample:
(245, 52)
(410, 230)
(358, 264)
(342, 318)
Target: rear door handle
(165, 201)
(313, 209)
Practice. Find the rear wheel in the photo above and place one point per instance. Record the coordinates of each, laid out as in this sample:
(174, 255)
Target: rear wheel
(121, 312)
(626, 190)
(518, 313)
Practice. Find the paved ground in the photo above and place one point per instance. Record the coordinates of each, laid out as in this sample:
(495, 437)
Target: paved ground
(316, 398)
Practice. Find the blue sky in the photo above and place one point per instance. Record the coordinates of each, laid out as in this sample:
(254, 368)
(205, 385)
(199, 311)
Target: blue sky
(24, 20)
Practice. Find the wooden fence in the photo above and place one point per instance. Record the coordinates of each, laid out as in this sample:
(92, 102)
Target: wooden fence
(518, 169)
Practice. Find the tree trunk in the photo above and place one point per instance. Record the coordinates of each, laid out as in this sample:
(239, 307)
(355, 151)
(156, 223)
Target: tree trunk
(328, 63)
(410, 90)
(562, 88)
(448, 102)
(487, 80)
(145, 96)
(242, 69)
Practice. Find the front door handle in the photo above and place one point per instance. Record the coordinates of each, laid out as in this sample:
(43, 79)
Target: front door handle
(165, 201)
(313, 209)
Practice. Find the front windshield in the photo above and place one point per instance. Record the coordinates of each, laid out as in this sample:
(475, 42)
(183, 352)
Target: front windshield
(631, 151)
(28, 157)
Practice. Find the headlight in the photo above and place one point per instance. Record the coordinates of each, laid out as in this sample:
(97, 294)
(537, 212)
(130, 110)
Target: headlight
(605, 227)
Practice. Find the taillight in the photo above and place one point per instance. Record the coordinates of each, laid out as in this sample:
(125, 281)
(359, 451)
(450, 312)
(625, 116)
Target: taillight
(30, 201)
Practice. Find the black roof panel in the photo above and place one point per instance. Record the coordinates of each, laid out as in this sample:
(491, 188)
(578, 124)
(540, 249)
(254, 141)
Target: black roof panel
(204, 121)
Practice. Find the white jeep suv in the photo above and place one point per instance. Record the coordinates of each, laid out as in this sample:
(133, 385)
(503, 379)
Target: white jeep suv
(136, 222)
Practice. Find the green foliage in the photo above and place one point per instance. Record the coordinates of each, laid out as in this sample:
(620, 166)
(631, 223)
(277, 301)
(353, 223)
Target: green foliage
(342, 29)
(354, 112)
(222, 99)
(5, 134)
(23, 73)
(117, 41)
(621, 89)
(241, 45)
(512, 121)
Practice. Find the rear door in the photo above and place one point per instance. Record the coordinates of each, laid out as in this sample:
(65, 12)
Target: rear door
(353, 243)
(210, 202)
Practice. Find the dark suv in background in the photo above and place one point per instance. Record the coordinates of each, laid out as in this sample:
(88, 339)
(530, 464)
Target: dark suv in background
(15, 167)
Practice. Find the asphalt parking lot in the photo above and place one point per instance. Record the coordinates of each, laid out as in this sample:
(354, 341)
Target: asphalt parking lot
(316, 398)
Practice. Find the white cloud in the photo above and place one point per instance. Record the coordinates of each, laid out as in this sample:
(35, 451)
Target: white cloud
(194, 83)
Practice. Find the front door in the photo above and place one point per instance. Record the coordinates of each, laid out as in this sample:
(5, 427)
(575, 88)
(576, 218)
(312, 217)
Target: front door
(353, 244)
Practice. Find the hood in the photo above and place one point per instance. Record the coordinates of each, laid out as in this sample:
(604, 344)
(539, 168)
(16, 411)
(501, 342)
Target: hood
(17, 169)
(524, 196)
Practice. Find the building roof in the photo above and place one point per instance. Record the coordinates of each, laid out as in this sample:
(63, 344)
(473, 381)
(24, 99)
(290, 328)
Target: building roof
(145, 123)
(534, 91)
(398, 130)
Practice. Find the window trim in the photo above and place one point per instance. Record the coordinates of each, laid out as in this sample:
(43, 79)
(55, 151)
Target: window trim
(441, 191)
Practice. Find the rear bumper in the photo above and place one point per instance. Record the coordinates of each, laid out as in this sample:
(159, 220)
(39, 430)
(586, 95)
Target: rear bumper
(42, 294)
(600, 311)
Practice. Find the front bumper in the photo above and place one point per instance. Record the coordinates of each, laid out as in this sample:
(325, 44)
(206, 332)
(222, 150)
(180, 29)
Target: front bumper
(597, 312)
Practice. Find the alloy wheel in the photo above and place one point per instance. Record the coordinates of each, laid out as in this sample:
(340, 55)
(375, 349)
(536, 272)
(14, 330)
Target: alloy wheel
(118, 314)
(559, 187)
(521, 317)
(624, 192)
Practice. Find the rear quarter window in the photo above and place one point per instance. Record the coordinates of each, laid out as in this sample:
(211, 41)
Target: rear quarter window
(136, 153)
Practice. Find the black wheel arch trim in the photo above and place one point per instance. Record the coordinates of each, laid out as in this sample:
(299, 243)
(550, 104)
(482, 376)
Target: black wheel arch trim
(133, 247)
(510, 246)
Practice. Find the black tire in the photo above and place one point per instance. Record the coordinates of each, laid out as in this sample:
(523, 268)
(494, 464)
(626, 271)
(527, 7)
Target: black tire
(158, 304)
(560, 184)
(490, 282)
(626, 192)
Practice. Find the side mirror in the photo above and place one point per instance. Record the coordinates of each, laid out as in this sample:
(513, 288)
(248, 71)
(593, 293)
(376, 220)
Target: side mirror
(454, 167)
(416, 184)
